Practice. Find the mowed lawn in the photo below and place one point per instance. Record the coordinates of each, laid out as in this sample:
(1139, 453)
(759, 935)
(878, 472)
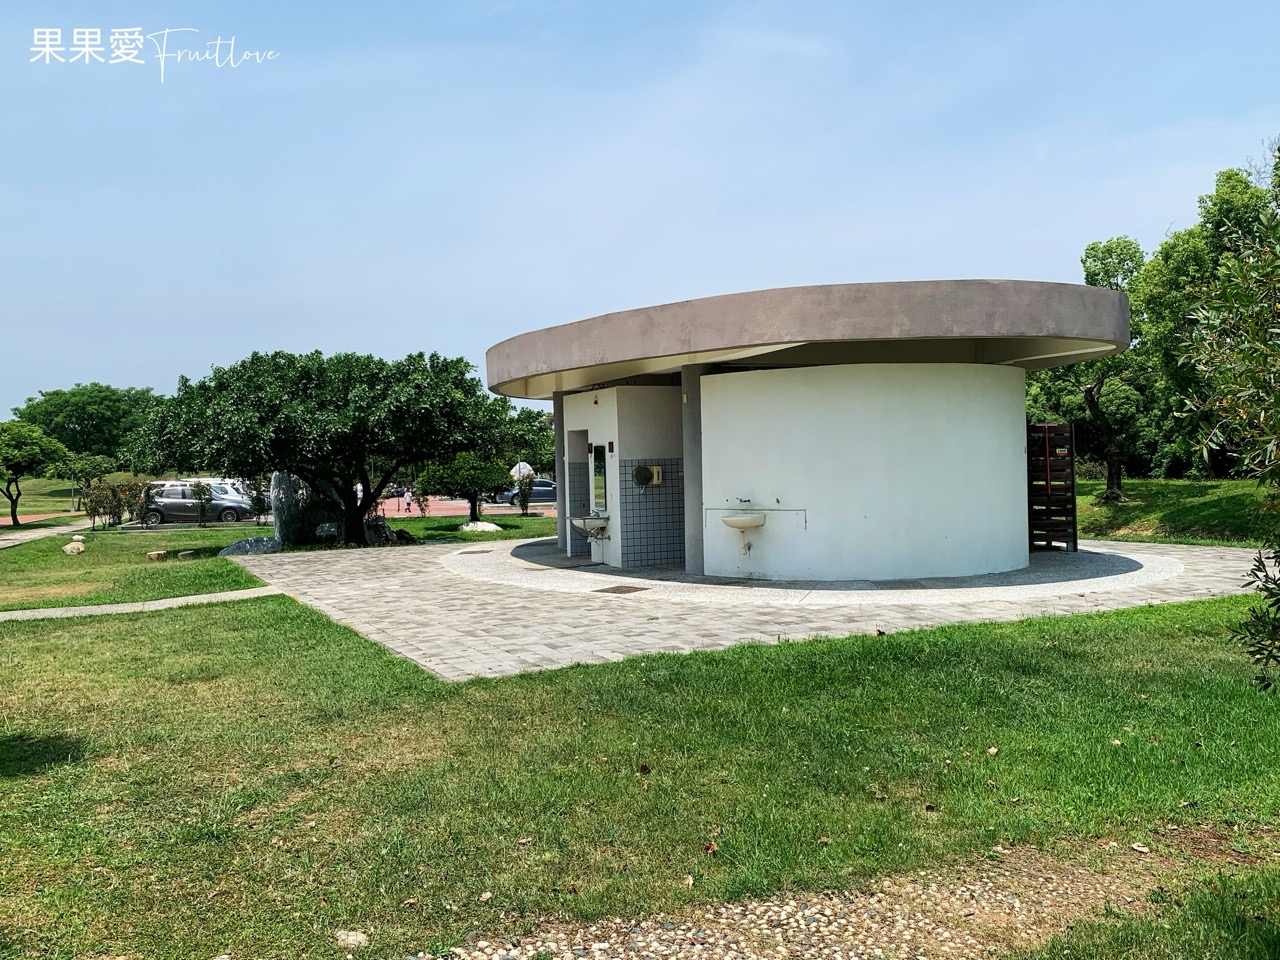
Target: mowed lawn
(514, 527)
(250, 777)
(1212, 512)
(114, 568)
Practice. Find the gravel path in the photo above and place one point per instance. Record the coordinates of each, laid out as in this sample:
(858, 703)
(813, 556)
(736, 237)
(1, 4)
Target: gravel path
(1017, 898)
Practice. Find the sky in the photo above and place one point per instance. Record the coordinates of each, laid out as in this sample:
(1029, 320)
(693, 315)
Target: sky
(439, 176)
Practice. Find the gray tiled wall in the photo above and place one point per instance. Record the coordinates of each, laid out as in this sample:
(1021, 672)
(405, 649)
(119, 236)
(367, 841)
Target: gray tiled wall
(653, 516)
(579, 504)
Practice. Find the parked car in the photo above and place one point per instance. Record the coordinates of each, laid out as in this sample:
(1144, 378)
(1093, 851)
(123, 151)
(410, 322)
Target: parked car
(172, 502)
(544, 491)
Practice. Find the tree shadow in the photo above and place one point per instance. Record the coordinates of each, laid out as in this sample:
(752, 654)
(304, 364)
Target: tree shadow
(25, 754)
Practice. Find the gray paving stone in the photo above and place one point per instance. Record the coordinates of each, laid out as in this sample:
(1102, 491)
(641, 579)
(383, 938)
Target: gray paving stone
(518, 607)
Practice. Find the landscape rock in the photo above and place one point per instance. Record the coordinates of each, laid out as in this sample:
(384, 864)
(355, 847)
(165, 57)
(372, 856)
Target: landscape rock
(351, 939)
(326, 533)
(479, 526)
(186, 554)
(77, 539)
(297, 511)
(252, 546)
(73, 548)
(404, 536)
(376, 531)
(157, 554)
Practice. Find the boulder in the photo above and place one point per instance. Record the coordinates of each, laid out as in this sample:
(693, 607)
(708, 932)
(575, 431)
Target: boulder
(77, 539)
(327, 533)
(73, 548)
(376, 531)
(404, 536)
(297, 511)
(479, 526)
(252, 546)
(157, 554)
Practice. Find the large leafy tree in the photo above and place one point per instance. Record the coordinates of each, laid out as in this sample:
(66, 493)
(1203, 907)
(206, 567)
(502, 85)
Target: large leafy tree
(338, 422)
(25, 451)
(1235, 354)
(90, 418)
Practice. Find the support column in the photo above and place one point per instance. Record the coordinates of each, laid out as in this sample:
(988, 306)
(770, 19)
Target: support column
(691, 417)
(562, 472)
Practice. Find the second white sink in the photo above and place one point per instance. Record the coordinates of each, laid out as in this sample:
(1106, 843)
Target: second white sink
(743, 521)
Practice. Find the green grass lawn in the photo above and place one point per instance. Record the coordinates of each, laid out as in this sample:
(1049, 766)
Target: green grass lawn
(114, 569)
(514, 527)
(250, 777)
(49, 496)
(1220, 918)
(1212, 512)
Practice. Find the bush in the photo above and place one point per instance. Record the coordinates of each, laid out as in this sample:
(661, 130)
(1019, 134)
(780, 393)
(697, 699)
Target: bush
(112, 502)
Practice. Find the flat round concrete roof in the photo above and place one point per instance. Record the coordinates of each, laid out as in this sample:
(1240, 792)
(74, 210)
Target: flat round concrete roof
(1022, 323)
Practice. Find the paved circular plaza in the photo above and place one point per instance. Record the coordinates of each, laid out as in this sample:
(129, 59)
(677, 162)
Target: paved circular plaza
(504, 607)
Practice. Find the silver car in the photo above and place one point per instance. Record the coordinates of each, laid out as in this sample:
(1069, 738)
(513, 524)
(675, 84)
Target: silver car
(174, 503)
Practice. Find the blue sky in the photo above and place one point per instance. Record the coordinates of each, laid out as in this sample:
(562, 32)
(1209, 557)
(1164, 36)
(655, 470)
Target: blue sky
(443, 175)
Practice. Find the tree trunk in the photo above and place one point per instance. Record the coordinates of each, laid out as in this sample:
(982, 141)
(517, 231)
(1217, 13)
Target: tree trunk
(1115, 475)
(475, 508)
(12, 493)
(353, 523)
(1114, 441)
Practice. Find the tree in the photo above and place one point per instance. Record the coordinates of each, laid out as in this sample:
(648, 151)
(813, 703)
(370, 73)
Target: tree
(467, 476)
(1235, 351)
(83, 470)
(90, 418)
(24, 452)
(1102, 390)
(501, 436)
(335, 422)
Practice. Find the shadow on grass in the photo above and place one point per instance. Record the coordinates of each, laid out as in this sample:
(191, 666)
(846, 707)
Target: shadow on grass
(24, 754)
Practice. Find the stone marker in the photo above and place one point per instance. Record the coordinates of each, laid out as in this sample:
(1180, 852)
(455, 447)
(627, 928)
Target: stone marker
(251, 546)
(73, 548)
(157, 554)
(479, 526)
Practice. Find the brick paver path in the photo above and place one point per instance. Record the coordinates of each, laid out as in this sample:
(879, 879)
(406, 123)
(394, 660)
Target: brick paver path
(460, 625)
(12, 536)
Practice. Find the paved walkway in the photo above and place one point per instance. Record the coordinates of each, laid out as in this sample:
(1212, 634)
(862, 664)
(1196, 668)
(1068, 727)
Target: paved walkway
(504, 607)
(11, 536)
(144, 606)
(6, 520)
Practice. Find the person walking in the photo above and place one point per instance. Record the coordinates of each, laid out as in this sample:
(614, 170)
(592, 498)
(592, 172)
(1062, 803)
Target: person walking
(408, 500)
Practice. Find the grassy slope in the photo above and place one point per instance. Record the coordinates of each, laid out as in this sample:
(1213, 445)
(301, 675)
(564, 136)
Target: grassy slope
(251, 777)
(114, 569)
(1214, 512)
(48, 496)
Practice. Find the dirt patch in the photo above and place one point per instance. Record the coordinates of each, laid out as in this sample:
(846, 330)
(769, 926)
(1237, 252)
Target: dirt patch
(50, 591)
(1009, 899)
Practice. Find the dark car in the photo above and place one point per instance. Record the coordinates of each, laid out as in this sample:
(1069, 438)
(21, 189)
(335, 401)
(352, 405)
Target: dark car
(544, 491)
(174, 503)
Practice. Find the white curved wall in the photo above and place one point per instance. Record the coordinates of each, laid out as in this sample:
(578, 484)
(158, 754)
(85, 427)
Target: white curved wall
(868, 471)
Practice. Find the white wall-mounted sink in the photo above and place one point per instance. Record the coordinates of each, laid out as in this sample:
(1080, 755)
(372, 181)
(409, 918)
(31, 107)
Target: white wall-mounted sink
(588, 526)
(743, 521)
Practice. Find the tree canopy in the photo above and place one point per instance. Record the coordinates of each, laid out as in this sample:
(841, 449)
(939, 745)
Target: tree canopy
(1235, 356)
(90, 418)
(334, 421)
(1126, 408)
(24, 452)
(501, 437)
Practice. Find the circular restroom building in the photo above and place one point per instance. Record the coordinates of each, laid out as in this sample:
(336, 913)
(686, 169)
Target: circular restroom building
(842, 432)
